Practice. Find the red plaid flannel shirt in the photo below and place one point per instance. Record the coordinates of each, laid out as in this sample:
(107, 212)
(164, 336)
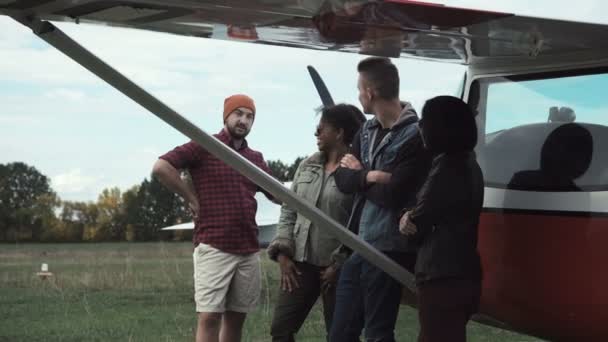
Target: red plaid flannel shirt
(226, 198)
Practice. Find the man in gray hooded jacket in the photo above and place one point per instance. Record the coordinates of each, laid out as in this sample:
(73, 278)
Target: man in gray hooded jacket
(385, 169)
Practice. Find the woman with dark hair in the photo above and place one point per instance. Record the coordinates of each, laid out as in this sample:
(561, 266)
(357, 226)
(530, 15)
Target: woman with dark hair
(444, 222)
(308, 256)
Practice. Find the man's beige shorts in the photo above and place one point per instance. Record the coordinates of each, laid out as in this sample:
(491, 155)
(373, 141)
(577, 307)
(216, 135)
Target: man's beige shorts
(225, 282)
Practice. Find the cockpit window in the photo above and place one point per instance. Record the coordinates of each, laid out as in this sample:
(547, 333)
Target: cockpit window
(546, 132)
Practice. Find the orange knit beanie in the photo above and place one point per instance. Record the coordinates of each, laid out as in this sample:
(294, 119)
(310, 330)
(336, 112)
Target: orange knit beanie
(236, 101)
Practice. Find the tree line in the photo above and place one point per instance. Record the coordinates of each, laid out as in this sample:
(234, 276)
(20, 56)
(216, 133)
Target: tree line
(31, 211)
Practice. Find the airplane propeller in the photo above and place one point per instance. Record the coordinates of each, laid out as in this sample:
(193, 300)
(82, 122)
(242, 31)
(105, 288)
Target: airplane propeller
(324, 94)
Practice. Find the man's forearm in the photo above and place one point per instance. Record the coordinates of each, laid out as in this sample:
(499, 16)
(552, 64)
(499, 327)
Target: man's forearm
(378, 177)
(170, 178)
(350, 181)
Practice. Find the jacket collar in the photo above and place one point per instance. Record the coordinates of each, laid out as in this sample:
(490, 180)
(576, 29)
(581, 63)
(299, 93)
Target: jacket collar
(318, 159)
(408, 115)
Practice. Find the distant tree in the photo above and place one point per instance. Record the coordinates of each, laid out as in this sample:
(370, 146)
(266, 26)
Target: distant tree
(291, 172)
(130, 215)
(27, 202)
(45, 219)
(283, 172)
(279, 170)
(153, 208)
(87, 214)
(110, 221)
(71, 225)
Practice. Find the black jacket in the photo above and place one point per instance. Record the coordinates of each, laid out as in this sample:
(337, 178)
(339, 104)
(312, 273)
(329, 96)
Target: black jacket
(447, 218)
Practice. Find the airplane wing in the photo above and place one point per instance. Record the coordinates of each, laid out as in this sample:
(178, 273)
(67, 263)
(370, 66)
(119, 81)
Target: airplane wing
(181, 226)
(395, 28)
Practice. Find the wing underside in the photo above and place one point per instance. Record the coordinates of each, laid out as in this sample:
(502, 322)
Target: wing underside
(385, 28)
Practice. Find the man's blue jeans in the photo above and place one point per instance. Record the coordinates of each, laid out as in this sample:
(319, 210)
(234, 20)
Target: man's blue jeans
(367, 299)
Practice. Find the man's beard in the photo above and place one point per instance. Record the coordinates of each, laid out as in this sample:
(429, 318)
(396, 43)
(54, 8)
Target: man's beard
(236, 135)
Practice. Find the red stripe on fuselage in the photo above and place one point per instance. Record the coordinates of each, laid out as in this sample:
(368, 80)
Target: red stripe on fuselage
(545, 274)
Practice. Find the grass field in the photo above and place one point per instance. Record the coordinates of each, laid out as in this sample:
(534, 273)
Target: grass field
(135, 292)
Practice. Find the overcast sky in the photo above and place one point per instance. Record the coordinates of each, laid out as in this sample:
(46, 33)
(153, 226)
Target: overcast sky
(87, 136)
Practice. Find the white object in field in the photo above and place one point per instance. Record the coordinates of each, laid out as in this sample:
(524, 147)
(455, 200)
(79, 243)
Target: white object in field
(44, 272)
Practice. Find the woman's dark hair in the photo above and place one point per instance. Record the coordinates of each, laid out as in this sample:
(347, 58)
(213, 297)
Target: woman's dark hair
(448, 125)
(346, 117)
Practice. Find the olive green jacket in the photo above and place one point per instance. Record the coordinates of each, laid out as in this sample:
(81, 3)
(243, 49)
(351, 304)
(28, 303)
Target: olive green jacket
(295, 237)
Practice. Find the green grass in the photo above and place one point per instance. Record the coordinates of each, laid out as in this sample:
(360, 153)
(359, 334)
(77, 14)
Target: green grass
(135, 292)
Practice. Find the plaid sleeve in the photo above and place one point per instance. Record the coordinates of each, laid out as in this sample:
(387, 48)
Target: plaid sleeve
(261, 163)
(185, 156)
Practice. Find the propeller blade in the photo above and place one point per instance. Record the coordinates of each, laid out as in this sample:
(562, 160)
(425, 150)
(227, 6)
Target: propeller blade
(321, 88)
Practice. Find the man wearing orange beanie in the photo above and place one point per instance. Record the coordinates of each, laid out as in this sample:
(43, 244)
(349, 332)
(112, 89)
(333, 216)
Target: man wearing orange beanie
(226, 256)
(231, 103)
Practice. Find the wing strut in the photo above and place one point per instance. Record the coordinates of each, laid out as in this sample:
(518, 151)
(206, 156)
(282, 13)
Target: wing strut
(62, 42)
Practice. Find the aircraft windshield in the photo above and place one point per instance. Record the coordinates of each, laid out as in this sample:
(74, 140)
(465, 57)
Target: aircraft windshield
(516, 103)
(547, 132)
